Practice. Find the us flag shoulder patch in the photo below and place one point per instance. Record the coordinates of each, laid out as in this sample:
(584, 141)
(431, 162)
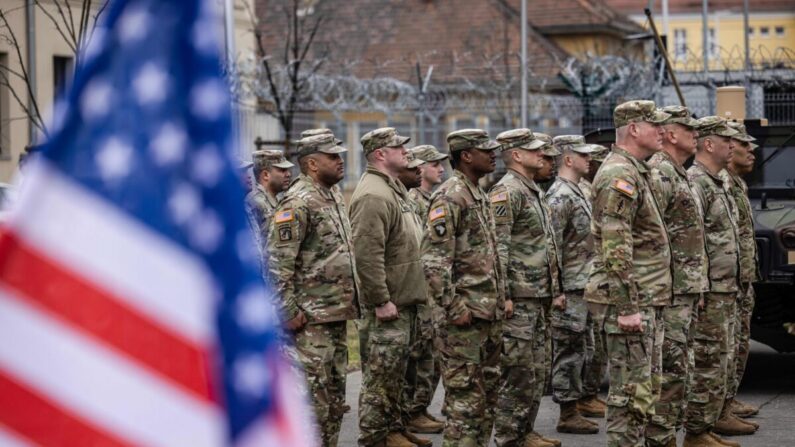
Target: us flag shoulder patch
(284, 216)
(499, 197)
(624, 187)
(437, 213)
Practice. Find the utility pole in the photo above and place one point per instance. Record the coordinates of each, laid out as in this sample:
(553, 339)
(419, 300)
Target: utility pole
(705, 52)
(30, 22)
(745, 34)
(524, 63)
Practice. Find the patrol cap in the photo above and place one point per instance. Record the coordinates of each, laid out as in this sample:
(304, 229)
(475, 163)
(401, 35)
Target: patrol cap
(319, 131)
(414, 161)
(679, 115)
(574, 143)
(471, 139)
(522, 138)
(427, 153)
(715, 125)
(383, 137)
(325, 143)
(599, 152)
(637, 111)
(271, 158)
(742, 134)
(549, 148)
(244, 164)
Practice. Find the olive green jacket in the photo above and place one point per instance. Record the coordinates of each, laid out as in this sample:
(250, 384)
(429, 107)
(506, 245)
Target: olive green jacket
(386, 239)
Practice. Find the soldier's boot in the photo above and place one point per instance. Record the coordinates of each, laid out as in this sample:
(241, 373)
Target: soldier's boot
(423, 424)
(432, 417)
(731, 425)
(742, 409)
(536, 440)
(701, 440)
(571, 421)
(553, 441)
(396, 439)
(421, 442)
(592, 406)
(725, 442)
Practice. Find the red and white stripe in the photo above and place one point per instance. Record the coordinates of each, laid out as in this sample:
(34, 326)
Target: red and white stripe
(107, 329)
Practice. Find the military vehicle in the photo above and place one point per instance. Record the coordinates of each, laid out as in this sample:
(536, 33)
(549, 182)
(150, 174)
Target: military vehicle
(771, 187)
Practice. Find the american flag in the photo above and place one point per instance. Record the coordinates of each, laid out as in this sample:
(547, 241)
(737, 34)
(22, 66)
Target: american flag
(132, 310)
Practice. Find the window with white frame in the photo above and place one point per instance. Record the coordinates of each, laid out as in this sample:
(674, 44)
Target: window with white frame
(712, 43)
(680, 43)
(779, 31)
(764, 31)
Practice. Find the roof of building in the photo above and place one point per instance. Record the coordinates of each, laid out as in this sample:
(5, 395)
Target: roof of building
(464, 40)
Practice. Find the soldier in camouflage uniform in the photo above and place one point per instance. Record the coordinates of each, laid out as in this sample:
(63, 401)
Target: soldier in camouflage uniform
(528, 256)
(683, 220)
(314, 271)
(424, 372)
(273, 175)
(459, 251)
(386, 238)
(712, 338)
(742, 163)
(630, 281)
(595, 366)
(571, 218)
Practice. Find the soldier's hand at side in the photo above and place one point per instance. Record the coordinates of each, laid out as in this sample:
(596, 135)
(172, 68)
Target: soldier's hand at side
(630, 323)
(297, 322)
(463, 320)
(701, 303)
(559, 302)
(386, 312)
(508, 308)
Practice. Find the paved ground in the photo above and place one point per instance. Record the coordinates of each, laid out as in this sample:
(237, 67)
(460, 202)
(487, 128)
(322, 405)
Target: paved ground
(769, 383)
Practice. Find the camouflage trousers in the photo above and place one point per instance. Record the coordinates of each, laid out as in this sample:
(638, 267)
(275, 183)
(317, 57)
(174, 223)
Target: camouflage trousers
(595, 366)
(742, 337)
(322, 352)
(669, 410)
(470, 358)
(525, 363)
(423, 371)
(634, 361)
(388, 346)
(712, 346)
(363, 331)
(569, 348)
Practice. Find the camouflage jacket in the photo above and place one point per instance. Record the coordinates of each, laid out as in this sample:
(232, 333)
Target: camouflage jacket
(386, 237)
(587, 189)
(632, 262)
(259, 207)
(682, 217)
(571, 220)
(459, 251)
(749, 265)
(717, 207)
(311, 254)
(525, 238)
(422, 201)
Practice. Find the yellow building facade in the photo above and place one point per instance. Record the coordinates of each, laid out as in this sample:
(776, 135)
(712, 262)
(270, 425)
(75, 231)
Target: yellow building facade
(771, 40)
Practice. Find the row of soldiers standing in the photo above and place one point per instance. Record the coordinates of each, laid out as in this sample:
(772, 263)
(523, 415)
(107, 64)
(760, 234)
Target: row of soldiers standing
(494, 292)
